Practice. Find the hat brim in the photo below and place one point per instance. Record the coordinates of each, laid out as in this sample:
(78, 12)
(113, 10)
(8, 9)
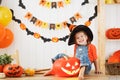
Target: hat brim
(77, 29)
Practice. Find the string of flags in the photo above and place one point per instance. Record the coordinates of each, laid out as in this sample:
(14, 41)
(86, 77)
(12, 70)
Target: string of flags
(54, 4)
(52, 26)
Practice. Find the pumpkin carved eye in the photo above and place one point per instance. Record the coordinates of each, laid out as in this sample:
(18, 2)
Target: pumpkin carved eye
(68, 65)
(10, 68)
(76, 63)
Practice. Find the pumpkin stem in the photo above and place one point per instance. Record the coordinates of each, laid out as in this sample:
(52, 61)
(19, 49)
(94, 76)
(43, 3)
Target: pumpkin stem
(66, 58)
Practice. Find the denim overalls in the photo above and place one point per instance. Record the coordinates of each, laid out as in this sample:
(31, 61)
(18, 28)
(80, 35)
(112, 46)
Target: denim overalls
(82, 55)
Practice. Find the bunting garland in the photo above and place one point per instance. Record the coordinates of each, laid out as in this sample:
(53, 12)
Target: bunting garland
(52, 5)
(52, 26)
(85, 2)
(21, 4)
(35, 34)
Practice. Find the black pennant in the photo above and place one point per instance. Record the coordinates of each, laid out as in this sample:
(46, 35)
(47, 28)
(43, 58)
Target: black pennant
(13, 17)
(64, 38)
(95, 14)
(21, 4)
(45, 39)
(85, 2)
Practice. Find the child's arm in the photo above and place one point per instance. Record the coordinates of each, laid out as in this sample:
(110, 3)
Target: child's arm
(97, 71)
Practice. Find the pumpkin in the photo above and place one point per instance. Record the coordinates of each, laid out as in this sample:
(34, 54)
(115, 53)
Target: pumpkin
(87, 23)
(29, 71)
(113, 33)
(13, 70)
(115, 58)
(55, 39)
(36, 35)
(65, 67)
(22, 26)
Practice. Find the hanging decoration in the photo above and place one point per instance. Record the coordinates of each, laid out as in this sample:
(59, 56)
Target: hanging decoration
(85, 2)
(87, 23)
(52, 5)
(52, 26)
(21, 4)
(0, 1)
(37, 35)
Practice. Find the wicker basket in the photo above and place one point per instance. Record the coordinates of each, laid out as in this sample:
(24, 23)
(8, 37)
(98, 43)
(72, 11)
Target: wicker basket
(117, 1)
(113, 68)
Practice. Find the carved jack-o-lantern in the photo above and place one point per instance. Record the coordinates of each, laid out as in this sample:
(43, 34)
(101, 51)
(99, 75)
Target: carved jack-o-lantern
(13, 70)
(113, 33)
(65, 67)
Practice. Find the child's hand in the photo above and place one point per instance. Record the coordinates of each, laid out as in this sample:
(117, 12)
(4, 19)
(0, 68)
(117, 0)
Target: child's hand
(98, 72)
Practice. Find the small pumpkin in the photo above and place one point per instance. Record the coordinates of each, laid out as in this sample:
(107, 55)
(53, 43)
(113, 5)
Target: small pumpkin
(115, 58)
(29, 72)
(36, 35)
(55, 39)
(87, 23)
(22, 26)
(113, 33)
(13, 70)
(65, 67)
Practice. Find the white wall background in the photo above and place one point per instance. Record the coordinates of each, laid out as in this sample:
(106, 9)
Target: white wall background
(35, 53)
(112, 14)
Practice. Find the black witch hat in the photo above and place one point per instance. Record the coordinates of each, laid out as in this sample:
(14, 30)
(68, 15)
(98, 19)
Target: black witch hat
(77, 29)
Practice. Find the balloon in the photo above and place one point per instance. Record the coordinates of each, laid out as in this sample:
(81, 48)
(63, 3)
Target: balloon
(5, 16)
(2, 32)
(8, 39)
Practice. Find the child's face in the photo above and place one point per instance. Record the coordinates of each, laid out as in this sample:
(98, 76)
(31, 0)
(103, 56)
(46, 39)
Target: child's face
(81, 38)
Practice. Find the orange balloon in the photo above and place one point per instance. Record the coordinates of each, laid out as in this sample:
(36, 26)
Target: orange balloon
(8, 39)
(2, 32)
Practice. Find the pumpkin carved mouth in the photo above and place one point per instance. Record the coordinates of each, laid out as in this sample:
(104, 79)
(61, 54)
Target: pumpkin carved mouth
(70, 72)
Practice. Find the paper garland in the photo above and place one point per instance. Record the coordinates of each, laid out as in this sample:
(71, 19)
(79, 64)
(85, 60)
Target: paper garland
(85, 2)
(52, 5)
(0, 1)
(37, 35)
(52, 26)
(21, 4)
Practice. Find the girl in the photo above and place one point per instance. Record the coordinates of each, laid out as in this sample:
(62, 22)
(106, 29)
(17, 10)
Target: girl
(81, 37)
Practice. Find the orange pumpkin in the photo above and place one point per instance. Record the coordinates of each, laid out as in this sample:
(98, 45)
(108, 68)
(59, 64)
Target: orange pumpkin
(55, 39)
(87, 23)
(65, 67)
(115, 58)
(36, 35)
(13, 70)
(22, 26)
(113, 33)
